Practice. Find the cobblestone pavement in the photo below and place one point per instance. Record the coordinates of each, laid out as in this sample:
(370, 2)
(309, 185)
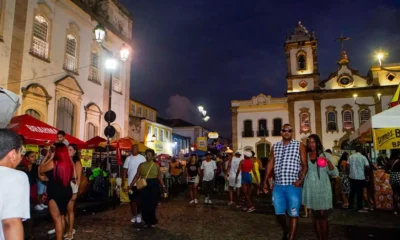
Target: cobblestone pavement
(179, 220)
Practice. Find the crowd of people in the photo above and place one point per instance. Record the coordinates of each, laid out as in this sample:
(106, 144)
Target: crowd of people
(296, 174)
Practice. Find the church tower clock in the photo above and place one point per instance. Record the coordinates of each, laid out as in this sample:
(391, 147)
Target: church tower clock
(302, 63)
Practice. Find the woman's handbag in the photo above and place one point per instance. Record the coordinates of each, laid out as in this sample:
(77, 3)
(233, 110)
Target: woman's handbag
(142, 183)
(74, 185)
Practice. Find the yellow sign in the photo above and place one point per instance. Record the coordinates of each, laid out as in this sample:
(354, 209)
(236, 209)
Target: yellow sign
(386, 138)
(202, 144)
(158, 147)
(32, 148)
(86, 158)
(213, 135)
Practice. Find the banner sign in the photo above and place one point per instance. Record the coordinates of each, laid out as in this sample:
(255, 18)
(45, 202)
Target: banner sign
(386, 138)
(86, 158)
(32, 148)
(202, 144)
(158, 147)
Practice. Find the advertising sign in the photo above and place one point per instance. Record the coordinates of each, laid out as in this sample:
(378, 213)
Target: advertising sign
(202, 144)
(386, 138)
(86, 158)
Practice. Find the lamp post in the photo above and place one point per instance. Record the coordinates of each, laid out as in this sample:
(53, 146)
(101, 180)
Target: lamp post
(204, 117)
(111, 64)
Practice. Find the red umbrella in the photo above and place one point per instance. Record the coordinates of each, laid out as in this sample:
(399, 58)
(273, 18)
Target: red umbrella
(37, 132)
(94, 142)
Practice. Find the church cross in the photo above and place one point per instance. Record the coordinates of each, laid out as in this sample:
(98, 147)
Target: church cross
(341, 39)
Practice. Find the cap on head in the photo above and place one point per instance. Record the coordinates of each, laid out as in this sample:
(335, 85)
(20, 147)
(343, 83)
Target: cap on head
(247, 154)
(208, 154)
(237, 153)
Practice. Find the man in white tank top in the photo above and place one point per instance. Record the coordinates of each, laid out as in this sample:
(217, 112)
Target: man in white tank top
(232, 169)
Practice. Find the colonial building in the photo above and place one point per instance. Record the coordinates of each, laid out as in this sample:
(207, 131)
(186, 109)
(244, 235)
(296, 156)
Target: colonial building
(332, 108)
(50, 58)
(143, 128)
(185, 128)
(181, 143)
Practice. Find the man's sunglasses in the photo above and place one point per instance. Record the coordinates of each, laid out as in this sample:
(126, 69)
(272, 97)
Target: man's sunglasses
(287, 130)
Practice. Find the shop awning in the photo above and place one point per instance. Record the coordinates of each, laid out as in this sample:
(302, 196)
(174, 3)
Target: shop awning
(94, 142)
(125, 144)
(37, 132)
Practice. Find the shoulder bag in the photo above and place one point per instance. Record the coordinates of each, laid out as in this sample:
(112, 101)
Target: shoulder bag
(142, 183)
(74, 185)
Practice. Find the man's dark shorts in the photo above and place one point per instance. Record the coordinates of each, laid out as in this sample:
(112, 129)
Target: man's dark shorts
(135, 195)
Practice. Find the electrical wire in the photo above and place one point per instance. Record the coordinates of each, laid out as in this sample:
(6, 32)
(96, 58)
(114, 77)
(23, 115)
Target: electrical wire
(50, 75)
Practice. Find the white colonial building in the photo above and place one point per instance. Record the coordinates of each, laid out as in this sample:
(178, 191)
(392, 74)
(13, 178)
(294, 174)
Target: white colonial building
(49, 56)
(332, 108)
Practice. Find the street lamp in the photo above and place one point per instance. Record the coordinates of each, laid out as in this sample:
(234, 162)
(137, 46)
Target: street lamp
(153, 138)
(379, 95)
(204, 117)
(111, 64)
(380, 56)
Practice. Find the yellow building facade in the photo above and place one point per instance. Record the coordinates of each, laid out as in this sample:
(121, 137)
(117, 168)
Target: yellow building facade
(139, 109)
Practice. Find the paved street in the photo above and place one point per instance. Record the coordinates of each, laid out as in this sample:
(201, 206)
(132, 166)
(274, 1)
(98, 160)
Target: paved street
(178, 220)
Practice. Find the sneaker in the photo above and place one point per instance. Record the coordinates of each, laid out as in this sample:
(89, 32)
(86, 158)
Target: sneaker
(196, 201)
(230, 203)
(133, 220)
(245, 209)
(38, 208)
(238, 206)
(251, 209)
(191, 202)
(43, 206)
(395, 212)
(52, 231)
(138, 218)
(209, 201)
(73, 233)
(206, 201)
(362, 211)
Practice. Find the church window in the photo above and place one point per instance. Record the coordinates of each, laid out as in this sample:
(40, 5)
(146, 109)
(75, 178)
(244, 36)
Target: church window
(305, 126)
(248, 129)
(348, 118)
(262, 128)
(364, 114)
(277, 127)
(301, 60)
(345, 81)
(331, 119)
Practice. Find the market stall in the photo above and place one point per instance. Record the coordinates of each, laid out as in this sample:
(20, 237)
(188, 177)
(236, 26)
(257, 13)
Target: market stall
(381, 132)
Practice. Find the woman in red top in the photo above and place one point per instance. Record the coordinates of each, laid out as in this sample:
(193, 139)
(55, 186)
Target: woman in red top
(246, 166)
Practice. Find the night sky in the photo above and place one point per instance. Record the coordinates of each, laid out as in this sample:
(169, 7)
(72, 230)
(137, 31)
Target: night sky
(190, 52)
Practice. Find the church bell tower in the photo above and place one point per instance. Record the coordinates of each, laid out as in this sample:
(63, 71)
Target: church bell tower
(302, 62)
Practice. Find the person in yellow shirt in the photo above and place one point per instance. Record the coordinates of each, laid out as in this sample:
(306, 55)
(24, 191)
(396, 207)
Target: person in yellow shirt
(257, 166)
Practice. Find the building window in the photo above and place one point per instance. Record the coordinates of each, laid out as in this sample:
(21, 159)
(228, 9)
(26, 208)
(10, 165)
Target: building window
(262, 128)
(151, 116)
(31, 112)
(162, 135)
(70, 54)
(133, 109)
(145, 113)
(166, 135)
(365, 114)
(94, 67)
(156, 133)
(149, 133)
(348, 119)
(139, 111)
(117, 84)
(277, 127)
(305, 126)
(248, 129)
(331, 119)
(65, 115)
(91, 131)
(40, 40)
(301, 60)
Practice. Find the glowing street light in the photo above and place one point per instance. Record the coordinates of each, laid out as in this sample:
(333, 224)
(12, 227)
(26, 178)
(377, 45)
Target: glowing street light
(99, 33)
(206, 118)
(201, 108)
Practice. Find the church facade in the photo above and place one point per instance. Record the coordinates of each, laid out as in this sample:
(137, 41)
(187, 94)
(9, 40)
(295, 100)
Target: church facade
(333, 108)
